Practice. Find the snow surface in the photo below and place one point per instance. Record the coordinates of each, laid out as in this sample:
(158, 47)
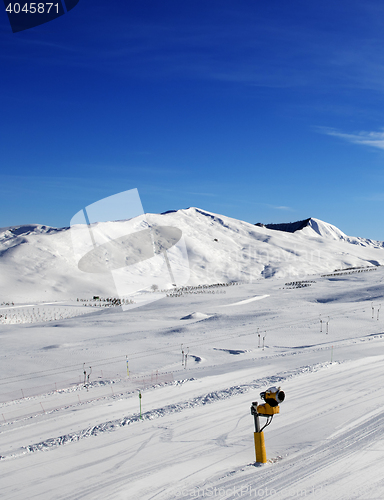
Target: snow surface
(37, 263)
(62, 438)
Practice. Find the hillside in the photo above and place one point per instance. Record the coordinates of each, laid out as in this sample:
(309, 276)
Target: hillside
(37, 262)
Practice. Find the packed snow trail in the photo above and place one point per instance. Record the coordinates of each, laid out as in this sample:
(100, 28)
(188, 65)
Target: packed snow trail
(202, 400)
(179, 447)
(321, 473)
(211, 445)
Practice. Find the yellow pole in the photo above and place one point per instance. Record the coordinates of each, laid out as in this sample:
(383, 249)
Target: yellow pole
(261, 454)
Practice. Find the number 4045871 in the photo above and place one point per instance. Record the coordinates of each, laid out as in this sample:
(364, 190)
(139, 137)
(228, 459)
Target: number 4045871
(33, 8)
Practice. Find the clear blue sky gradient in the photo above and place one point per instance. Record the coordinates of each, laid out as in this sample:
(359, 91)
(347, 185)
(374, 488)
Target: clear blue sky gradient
(265, 111)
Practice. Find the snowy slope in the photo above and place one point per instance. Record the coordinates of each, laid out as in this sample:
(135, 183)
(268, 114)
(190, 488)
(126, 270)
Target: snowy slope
(315, 227)
(37, 262)
(326, 230)
(196, 434)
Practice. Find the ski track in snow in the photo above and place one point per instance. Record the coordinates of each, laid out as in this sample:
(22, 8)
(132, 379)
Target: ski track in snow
(315, 465)
(205, 399)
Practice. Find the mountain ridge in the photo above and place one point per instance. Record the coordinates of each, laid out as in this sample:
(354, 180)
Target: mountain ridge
(316, 225)
(37, 262)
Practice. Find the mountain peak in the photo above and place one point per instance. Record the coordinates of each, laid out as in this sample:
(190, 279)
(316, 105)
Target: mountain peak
(29, 229)
(309, 227)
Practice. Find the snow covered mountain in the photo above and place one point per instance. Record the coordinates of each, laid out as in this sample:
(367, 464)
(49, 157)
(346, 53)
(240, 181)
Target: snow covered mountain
(70, 415)
(37, 262)
(316, 227)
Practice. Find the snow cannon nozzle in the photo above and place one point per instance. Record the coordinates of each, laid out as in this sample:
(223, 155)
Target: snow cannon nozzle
(272, 397)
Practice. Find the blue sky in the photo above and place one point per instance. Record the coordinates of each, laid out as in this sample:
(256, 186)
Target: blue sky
(266, 111)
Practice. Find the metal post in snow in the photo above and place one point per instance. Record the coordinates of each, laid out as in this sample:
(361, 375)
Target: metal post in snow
(185, 358)
(258, 435)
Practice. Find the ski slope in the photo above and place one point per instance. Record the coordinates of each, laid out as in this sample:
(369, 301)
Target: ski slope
(195, 437)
